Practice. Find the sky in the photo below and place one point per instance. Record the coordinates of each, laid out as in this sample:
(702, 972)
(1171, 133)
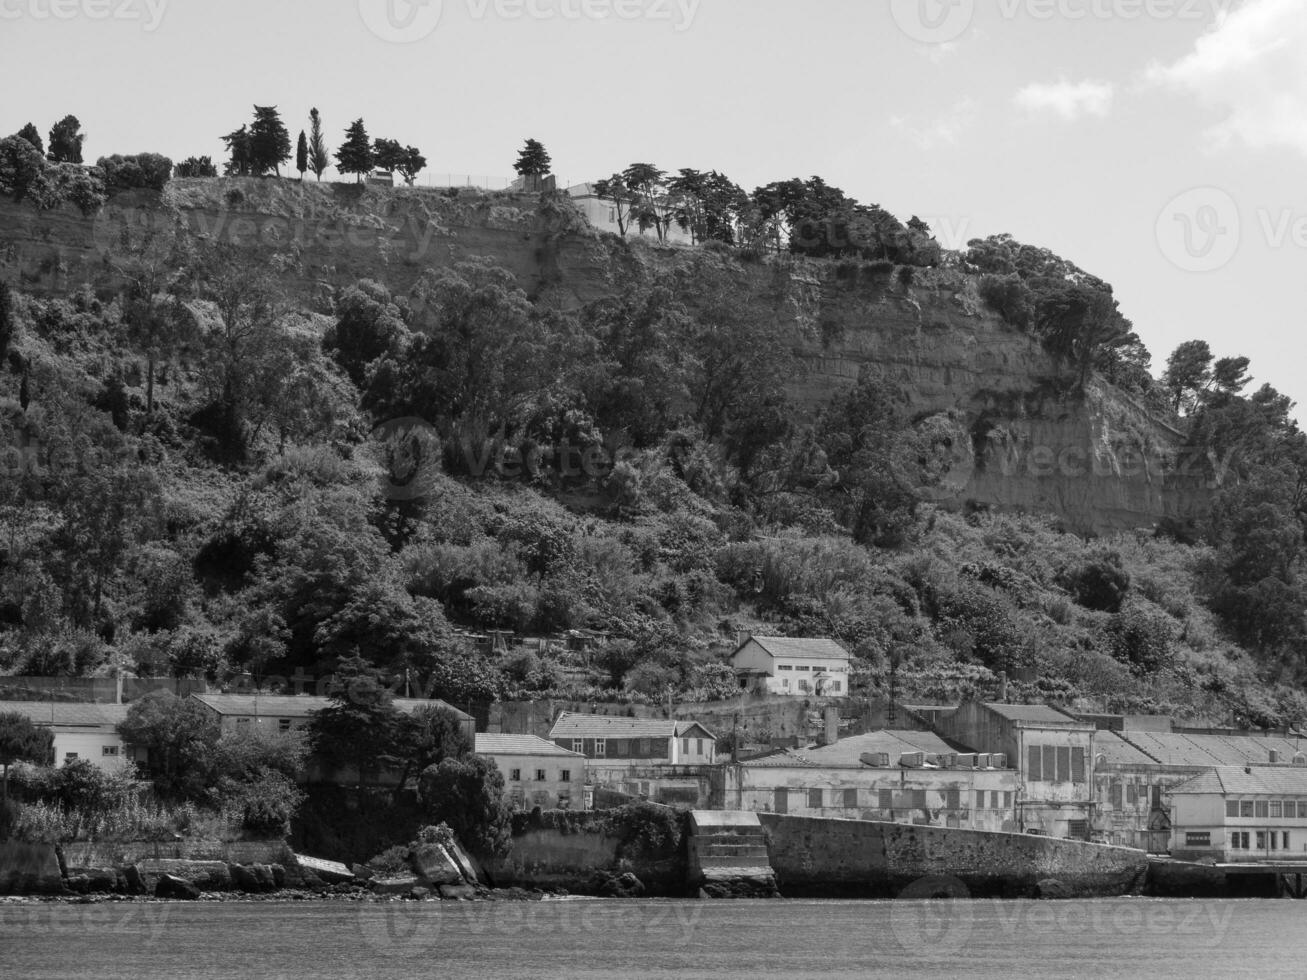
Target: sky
(1159, 144)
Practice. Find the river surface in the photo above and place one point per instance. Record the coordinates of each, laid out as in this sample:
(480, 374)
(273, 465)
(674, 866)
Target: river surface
(648, 939)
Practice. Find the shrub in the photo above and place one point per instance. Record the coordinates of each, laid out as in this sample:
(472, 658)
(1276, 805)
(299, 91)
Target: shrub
(646, 830)
(1142, 636)
(150, 171)
(1100, 583)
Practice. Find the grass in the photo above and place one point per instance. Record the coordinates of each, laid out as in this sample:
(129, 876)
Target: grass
(131, 820)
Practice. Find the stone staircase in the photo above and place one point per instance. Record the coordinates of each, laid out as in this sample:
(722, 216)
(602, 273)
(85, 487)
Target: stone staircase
(728, 855)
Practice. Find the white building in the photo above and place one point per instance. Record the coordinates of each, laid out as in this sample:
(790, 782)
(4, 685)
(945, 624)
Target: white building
(782, 665)
(536, 771)
(1241, 814)
(81, 731)
(602, 215)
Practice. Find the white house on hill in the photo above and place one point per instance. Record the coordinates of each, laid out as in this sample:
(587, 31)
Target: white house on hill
(536, 771)
(782, 665)
(81, 731)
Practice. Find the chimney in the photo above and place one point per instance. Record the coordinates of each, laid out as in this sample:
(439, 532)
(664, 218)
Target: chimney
(832, 724)
(1002, 686)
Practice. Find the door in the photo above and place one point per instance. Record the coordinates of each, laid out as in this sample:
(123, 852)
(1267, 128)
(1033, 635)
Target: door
(782, 802)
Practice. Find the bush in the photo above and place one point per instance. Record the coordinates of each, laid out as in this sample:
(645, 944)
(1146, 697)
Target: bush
(1100, 583)
(646, 830)
(1142, 636)
(150, 171)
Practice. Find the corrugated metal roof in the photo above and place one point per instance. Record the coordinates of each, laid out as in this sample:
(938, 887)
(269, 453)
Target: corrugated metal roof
(795, 648)
(71, 714)
(572, 724)
(1179, 749)
(298, 706)
(1238, 781)
(1036, 713)
(1117, 751)
(496, 744)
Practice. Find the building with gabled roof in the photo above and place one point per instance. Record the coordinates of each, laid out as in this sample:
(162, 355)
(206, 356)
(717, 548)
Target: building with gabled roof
(291, 712)
(81, 731)
(792, 665)
(537, 772)
(1241, 814)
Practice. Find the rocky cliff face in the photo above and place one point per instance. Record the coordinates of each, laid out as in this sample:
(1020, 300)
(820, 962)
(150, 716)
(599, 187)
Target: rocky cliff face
(1021, 438)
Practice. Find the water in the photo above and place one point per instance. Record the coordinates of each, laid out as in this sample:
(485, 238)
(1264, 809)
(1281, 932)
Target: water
(655, 938)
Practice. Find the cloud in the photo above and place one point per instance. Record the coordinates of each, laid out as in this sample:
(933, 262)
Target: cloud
(1251, 65)
(1067, 100)
(944, 130)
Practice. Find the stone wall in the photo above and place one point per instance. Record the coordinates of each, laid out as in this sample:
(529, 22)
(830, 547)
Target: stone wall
(29, 869)
(863, 859)
(82, 854)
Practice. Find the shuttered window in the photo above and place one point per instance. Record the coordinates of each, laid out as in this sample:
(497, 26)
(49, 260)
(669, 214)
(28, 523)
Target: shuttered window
(814, 799)
(953, 799)
(885, 799)
(1077, 765)
(1050, 764)
(1033, 771)
(850, 798)
(918, 799)
(1064, 764)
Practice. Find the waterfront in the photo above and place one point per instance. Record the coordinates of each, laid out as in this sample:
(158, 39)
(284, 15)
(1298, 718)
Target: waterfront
(655, 938)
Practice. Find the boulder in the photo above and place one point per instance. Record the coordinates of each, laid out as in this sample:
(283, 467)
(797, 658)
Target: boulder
(394, 886)
(78, 884)
(29, 869)
(133, 881)
(1052, 888)
(100, 881)
(609, 885)
(266, 876)
(244, 879)
(420, 894)
(432, 863)
(171, 886)
(209, 876)
(464, 892)
(466, 863)
(363, 872)
(328, 872)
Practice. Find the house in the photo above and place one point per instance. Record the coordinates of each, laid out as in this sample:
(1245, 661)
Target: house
(536, 771)
(897, 776)
(602, 215)
(780, 665)
(664, 760)
(1241, 814)
(1053, 753)
(287, 713)
(81, 731)
(1134, 768)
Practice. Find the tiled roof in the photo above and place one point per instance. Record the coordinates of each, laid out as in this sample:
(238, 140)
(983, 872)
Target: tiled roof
(849, 751)
(298, 706)
(495, 744)
(1036, 713)
(781, 758)
(575, 725)
(1117, 751)
(1180, 749)
(1250, 781)
(793, 648)
(67, 713)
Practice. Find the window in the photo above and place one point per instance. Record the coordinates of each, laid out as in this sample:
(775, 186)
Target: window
(1245, 809)
(1302, 809)
(1200, 839)
(1285, 837)
(1032, 763)
(565, 775)
(1262, 809)
(885, 799)
(1077, 765)
(994, 801)
(851, 801)
(1007, 800)
(1290, 809)
(698, 746)
(578, 745)
(601, 748)
(952, 799)
(1243, 839)
(1232, 808)
(785, 683)
(685, 746)
(540, 776)
(646, 746)
(1130, 793)
(814, 799)
(818, 670)
(109, 750)
(1064, 764)
(804, 686)
(1050, 764)
(917, 799)
(283, 724)
(1234, 841)
(1275, 841)
(242, 721)
(622, 747)
(1276, 808)
(515, 775)
(980, 799)
(1115, 794)
(1261, 840)
(784, 667)
(835, 685)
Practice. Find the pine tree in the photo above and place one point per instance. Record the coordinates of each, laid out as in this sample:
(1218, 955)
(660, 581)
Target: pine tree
(6, 318)
(355, 154)
(302, 155)
(33, 136)
(318, 160)
(238, 145)
(533, 160)
(411, 164)
(66, 141)
(269, 141)
(387, 154)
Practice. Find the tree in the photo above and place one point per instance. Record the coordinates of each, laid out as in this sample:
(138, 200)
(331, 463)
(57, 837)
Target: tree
(1079, 323)
(427, 737)
(66, 140)
(368, 325)
(623, 199)
(6, 318)
(360, 728)
(355, 155)
(33, 136)
(410, 164)
(179, 736)
(387, 154)
(22, 741)
(1188, 372)
(269, 141)
(468, 795)
(139, 170)
(709, 206)
(318, 161)
(241, 162)
(24, 173)
(654, 206)
(302, 155)
(533, 160)
(196, 167)
(1230, 375)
